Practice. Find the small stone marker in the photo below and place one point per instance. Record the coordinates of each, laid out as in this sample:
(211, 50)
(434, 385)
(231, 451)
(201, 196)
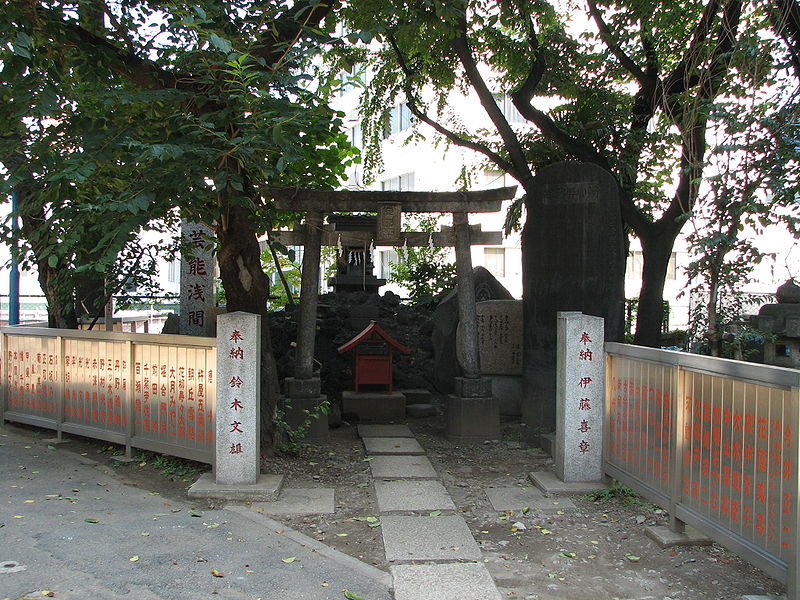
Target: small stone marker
(238, 373)
(197, 278)
(580, 397)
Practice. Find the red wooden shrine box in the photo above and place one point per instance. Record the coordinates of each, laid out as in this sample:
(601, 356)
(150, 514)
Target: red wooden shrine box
(373, 356)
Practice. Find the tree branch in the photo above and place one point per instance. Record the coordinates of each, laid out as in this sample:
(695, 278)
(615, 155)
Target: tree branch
(528, 87)
(682, 76)
(510, 140)
(616, 49)
(414, 107)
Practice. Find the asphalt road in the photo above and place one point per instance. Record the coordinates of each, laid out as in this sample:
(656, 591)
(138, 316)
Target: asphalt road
(73, 528)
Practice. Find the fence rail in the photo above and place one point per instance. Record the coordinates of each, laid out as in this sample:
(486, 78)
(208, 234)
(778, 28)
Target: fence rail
(714, 442)
(154, 392)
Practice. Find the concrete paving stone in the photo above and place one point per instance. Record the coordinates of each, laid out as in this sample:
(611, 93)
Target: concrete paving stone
(461, 581)
(299, 501)
(412, 495)
(551, 485)
(422, 538)
(388, 445)
(517, 498)
(386, 431)
(402, 467)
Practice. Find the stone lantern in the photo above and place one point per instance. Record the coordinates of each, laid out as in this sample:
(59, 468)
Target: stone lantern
(782, 322)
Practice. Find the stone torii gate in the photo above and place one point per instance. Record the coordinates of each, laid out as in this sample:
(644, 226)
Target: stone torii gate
(473, 413)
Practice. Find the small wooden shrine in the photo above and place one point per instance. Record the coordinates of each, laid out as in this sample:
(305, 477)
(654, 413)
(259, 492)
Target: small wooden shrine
(373, 356)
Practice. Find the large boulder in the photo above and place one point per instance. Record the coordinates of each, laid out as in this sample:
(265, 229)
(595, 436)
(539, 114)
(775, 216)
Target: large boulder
(445, 319)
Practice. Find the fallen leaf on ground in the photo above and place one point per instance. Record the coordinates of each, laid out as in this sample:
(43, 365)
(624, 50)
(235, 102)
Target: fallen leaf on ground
(134, 558)
(435, 513)
(91, 520)
(291, 559)
(216, 573)
(633, 557)
(568, 554)
(351, 596)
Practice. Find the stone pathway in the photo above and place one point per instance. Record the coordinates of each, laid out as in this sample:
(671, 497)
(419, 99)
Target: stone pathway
(432, 551)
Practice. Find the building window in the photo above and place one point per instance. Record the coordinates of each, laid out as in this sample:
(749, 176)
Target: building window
(400, 119)
(356, 136)
(403, 183)
(172, 271)
(635, 265)
(494, 259)
(508, 109)
(353, 79)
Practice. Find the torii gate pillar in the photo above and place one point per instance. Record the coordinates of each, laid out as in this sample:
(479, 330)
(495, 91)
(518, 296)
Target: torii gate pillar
(472, 413)
(304, 390)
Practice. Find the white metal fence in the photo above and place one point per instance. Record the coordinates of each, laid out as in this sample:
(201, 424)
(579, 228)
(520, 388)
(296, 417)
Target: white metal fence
(155, 392)
(712, 441)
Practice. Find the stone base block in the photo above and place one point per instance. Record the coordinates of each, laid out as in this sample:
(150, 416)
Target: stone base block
(266, 489)
(472, 420)
(379, 407)
(55, 441)
(551, 485)
(422, 410)
(302, 388)
(418, 396)
(296, 416)
(473, 388)
(547, 442)
(509, 393)
(666, 538)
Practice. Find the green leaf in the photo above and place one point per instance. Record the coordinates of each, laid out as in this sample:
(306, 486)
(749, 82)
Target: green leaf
(220, 43)
(352, 596)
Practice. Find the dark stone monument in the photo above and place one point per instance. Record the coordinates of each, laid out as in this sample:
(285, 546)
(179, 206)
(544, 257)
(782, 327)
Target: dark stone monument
(443, 338)
(573, 259)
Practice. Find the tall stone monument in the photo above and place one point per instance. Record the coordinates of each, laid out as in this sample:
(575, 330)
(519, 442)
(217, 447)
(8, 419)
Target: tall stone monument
(197, 279)
(573, 259)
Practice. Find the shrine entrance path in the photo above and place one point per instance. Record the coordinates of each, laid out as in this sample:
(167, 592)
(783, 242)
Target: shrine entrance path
(331, 490)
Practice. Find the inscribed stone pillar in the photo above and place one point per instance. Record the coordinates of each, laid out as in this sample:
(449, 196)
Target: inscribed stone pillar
(238, 384)
(580, 402)
(197, 278)
(573, 256)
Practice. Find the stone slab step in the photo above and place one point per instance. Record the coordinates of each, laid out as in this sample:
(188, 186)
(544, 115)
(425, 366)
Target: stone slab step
(266, 489)
(418, 396)
(551, 485)
(517, 498)
(381, 445)
(402, 467)
(451, 581)
(299, 501)
(375, 430)
(412, 495)
(424, 538)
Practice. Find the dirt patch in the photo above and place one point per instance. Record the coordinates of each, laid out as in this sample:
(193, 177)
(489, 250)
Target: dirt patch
(600, 551)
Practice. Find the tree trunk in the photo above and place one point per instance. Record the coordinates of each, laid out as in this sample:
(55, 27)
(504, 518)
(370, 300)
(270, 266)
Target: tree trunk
(656, 252)
(247, 289)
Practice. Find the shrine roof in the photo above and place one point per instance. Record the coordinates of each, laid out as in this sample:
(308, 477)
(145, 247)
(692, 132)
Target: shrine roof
(373, 327)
